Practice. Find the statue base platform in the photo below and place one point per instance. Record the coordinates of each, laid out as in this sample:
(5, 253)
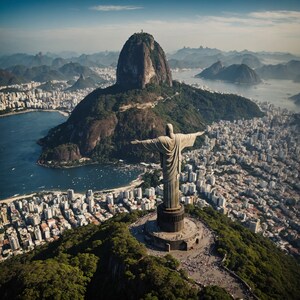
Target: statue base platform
(186, 239)
(170, 220)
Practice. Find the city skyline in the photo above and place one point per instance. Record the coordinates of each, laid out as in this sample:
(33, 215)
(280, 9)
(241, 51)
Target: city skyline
(93, 26)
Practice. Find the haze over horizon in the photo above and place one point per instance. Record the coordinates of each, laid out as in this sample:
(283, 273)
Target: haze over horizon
(93, 26)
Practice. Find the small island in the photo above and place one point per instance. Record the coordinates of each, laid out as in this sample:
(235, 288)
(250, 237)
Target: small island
(296, 99)
(235, 73)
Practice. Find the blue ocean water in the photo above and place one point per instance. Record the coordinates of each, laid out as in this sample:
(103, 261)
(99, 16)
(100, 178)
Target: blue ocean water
(19, 173)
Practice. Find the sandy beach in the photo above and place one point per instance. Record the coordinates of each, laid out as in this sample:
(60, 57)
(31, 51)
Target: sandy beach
(133, 184)
(64, 113)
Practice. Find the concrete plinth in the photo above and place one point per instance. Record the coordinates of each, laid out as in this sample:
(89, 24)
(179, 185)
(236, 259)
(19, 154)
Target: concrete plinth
(184, 239)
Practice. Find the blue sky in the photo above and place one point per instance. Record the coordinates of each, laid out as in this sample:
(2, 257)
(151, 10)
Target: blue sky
(90, 26)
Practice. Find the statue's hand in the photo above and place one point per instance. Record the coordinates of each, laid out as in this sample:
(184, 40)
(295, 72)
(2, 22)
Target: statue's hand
(200, 133)
(135, 142)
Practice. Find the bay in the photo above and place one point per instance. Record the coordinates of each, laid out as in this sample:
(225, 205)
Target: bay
(19, 173)
(274, 91)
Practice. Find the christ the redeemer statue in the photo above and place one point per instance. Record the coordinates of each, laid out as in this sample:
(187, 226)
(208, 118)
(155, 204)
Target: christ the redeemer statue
(170, 147)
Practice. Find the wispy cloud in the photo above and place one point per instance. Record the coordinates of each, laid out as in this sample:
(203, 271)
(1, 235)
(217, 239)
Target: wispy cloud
(114, 7)
(255, 31)
(257, 19)
(277, 15)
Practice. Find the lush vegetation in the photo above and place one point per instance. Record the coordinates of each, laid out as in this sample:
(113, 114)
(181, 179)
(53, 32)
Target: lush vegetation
(214, 293)
(271, 273)
(94, 262)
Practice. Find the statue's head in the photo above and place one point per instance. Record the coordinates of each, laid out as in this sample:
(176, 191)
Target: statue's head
(169, 130)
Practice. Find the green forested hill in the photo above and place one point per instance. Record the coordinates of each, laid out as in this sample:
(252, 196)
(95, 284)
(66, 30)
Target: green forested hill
(106, 262)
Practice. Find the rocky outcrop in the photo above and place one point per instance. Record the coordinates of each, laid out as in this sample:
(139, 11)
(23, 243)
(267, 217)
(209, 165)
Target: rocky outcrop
(62, 153)
(90, 136)
(142, 61)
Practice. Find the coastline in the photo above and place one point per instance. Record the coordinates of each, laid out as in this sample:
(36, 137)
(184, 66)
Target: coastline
(85, 161)
(133, 184)
(64, 113)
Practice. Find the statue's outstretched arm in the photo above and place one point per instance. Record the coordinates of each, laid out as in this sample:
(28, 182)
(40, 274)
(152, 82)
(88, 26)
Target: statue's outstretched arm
(188, 140)
(136, 142)
(150, 144)
(143, 142)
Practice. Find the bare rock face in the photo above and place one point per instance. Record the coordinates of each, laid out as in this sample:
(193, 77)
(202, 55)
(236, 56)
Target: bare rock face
(90, 136)
(65, 152)
(142, 61)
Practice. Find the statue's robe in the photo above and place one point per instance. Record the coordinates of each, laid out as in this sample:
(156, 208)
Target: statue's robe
(170, 157)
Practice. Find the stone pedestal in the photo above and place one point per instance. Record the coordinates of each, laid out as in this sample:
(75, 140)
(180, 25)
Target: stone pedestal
(170, 220)
(185, 239)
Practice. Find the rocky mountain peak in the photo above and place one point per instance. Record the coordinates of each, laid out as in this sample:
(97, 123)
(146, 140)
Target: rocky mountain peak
(142, 61)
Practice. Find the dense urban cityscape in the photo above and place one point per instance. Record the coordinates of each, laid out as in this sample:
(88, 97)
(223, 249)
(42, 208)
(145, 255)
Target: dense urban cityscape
(247, 169)
(21, 97)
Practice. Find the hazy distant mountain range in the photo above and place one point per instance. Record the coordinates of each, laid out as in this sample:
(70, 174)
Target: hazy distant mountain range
(289, 70)
(204, 57)
(19, 68)
(69, 71)
(101, 59)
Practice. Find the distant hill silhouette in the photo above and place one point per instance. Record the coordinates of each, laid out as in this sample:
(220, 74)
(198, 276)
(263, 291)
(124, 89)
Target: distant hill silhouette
(290, 70)
(233, 73)
(45, 73)
(296, 98)
(52, 86)
(83, 83)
